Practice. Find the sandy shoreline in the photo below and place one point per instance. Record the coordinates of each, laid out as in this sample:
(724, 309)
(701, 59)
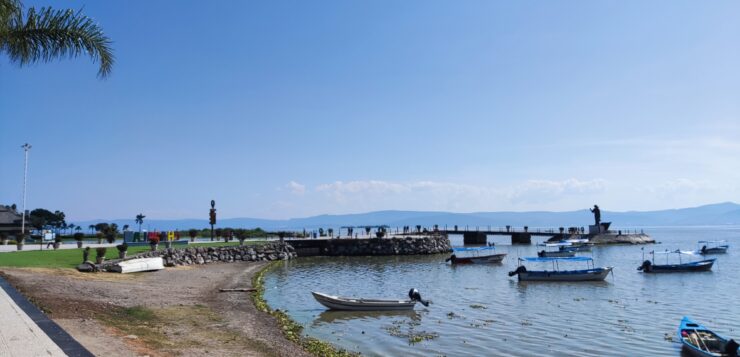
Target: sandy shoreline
(174, 312)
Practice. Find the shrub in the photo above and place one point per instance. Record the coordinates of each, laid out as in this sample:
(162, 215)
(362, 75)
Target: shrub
(79, 236)
(100, 252)
(122, 247)
(154, 240)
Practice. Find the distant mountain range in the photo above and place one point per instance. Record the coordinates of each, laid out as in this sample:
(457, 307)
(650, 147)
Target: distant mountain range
(727, 213)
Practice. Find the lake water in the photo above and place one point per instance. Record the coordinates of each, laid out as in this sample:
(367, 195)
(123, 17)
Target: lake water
(479, 310)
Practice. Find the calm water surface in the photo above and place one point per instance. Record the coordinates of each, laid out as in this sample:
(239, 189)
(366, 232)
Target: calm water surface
(479, 310)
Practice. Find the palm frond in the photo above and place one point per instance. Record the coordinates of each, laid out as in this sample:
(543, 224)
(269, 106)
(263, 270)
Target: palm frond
(49, 34)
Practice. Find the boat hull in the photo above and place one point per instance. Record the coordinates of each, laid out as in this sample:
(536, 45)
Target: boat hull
(138, 265)
(558, 254)
(704, 265)
(714, 250)
(597, 274)
(487, 259)
(353, 304)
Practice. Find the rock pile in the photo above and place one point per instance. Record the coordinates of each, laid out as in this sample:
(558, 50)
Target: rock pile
(205, 255)
(389, 246)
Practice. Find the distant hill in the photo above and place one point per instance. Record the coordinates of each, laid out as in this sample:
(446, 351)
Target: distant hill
(727, 213)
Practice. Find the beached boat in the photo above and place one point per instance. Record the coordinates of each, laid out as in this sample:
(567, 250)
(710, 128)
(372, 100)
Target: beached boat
(477, 255)
(360, 304)
(560, 253)
(138, 265)
(589, 274)
(696, 266)
(713, 247)
(698, 340)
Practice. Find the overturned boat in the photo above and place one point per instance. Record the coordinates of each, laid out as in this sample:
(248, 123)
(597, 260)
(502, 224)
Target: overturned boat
(361, 304)
(590, 274)
(137, 265)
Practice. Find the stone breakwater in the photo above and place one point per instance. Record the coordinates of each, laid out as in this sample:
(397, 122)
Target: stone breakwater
(228, 254)
(614, 238)
(373, 246)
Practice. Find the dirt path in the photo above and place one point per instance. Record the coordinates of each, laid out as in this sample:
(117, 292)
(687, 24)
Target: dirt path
(174, 312)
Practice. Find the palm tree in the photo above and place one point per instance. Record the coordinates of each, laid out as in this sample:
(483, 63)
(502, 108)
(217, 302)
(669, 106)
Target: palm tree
(92, 228)
(47, 34)
(139, 217)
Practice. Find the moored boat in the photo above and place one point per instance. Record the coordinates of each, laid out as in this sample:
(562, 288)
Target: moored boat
(360, 304)
(590, 274)
(701, 341)
(713, 247)
(696, 266)
(475, 256)
(560, 253)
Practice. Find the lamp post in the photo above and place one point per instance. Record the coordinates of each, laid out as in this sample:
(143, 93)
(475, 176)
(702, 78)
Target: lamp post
(26, 147)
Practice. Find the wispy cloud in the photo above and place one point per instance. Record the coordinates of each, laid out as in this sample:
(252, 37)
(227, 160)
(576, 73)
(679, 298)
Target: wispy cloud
(296, 188)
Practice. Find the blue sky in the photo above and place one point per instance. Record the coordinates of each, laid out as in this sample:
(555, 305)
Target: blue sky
(281, 109)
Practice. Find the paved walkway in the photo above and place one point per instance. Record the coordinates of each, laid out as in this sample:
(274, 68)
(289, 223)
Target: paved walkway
(26, 331)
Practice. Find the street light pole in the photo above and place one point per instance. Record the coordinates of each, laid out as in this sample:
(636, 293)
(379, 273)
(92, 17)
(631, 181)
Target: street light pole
(26, 147)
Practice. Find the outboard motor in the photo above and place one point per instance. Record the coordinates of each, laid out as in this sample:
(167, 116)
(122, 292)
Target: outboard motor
(415, 296)
(541, 253)
(452, 257)
(646, 266)
(731, 348)
(520, 269)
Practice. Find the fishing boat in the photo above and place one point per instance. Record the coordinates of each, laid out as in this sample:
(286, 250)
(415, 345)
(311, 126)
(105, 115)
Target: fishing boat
(696, 266)
(556, 253)
(360, 304)
(698, 340)
(713, 247)
(137, 265)
(477, 255)
(577, 245)
(591, 273)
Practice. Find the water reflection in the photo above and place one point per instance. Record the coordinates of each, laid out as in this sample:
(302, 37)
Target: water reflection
(331, 316)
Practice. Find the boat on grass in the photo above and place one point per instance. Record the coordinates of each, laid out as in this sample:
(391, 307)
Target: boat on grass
(649, 266)
(361, 304)
(137, 265)
(713, 247)
(591, 273)
(477, 255)
(698, 340)
(559, 253)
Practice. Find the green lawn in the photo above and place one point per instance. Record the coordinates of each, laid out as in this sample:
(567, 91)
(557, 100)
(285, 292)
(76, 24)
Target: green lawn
(70, 258)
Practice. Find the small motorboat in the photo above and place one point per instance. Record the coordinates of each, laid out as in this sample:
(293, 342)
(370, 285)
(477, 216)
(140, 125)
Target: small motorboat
(696, 266)
(137, 265)
(560, 253)
(477, 255)
(360, 304)
(713, 247)
(701, 341)
(589, 274)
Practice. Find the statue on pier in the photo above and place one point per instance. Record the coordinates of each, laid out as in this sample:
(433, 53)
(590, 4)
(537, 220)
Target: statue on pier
(597, 215)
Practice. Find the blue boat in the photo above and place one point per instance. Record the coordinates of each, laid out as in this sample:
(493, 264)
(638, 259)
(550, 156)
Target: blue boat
(698, 340)
(560, 253)
(697, 266)
(590, 274)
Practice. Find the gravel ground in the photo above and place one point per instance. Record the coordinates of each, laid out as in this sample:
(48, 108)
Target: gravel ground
(193, 318)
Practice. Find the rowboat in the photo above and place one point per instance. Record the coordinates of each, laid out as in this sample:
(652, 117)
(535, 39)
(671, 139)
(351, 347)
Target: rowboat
(360, 304)
(474, 256)
(560, 253)
(137, 265)
(697, 266)
(698, 340)
(713, 247)
(589, 274)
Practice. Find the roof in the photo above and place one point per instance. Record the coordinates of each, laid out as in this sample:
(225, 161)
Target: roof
(473, 249)
(9, 216)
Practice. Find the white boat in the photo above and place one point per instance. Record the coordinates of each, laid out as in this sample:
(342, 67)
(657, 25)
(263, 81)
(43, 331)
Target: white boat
(359, 304)
(138, 265)
(590, 274)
